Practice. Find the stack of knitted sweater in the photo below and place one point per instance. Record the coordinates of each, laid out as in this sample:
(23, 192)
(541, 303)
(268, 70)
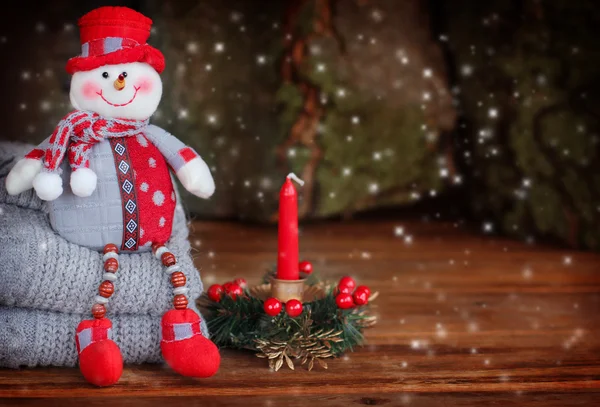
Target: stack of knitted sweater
(48, 285)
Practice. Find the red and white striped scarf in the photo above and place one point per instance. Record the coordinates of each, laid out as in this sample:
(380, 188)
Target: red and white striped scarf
(79, 131)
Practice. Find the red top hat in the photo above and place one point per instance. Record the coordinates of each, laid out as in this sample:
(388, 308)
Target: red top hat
(114, 35)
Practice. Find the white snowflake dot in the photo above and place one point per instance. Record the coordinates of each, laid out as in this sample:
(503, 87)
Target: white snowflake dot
(173, 196)
(152, 162)
(158, 198)
(141, 232)
(144, 187)
(161, 222)
(142, 140)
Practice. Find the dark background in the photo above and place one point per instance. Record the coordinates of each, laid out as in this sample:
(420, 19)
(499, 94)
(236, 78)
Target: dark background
(481, 112)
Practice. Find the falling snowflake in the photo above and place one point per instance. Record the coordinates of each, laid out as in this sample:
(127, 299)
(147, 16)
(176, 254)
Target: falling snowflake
(427, 73)
(493, 113)
(219, 47)
(567, 260)
(346, 171)
(466, 70)
(45, 105)
(192, 47)
(373, 188)
(398, 231)
(261, 59)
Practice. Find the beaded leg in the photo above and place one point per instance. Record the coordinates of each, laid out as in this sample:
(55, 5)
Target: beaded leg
(183, 346)
(100, 359)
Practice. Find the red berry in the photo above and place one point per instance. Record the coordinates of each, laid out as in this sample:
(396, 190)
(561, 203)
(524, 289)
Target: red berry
(272, 307)
(344, 289)
(305, 267)
(234, 290)
(293, 308)
(214, 292)
(241, 282)
(348, 282)
(344, 301)
(227, 286)
(361, 297)
(364, 288)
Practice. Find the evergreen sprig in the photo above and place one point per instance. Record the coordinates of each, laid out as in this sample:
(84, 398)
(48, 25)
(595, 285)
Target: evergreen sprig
(322, 330)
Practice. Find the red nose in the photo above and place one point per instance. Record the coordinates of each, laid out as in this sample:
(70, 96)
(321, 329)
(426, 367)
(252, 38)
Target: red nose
(121, 78)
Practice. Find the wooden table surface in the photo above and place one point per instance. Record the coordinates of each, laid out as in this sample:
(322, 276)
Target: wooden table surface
(464, 319)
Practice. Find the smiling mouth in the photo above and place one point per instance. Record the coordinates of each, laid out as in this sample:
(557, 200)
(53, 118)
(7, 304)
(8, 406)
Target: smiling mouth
(119, 104)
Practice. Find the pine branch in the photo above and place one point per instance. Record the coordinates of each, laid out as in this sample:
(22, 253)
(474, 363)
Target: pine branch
(323, 330)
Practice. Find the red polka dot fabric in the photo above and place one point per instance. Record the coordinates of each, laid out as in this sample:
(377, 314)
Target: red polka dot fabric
(154, 188)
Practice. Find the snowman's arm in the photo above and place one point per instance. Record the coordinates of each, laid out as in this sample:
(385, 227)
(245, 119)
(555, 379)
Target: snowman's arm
(20, 178)
(187, 164)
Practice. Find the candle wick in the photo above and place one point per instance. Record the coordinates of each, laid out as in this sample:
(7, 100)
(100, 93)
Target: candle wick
(295, 178)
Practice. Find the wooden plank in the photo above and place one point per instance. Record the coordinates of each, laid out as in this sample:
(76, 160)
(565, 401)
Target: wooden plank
(463, 320)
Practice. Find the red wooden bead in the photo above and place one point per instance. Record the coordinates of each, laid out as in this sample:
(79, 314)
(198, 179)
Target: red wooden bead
(178, 279)
(111, 248)
(106, 289)
(168, 259)
(156, 246)
(111, 265)
(180, 301)
(98, 311)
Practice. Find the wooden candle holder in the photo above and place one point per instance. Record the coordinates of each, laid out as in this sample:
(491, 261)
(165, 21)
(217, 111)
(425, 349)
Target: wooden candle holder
(285, 290)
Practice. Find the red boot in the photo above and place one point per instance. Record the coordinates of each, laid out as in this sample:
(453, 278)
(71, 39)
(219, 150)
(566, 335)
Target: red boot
(100, 359)
(183, 346)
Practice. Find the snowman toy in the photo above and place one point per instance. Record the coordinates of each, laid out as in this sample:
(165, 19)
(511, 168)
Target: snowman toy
(107, 176)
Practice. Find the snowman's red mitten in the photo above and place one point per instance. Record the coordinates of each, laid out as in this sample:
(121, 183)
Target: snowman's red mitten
(183, 346)
(100, 359)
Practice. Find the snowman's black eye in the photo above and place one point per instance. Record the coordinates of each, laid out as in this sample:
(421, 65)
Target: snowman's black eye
(124, 74)
(105, 75)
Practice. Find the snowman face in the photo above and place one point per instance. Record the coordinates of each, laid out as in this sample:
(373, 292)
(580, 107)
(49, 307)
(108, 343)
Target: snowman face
(124, 91)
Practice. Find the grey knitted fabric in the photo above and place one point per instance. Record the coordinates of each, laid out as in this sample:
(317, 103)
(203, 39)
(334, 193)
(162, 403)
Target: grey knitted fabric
(41, 338)
(48, 285)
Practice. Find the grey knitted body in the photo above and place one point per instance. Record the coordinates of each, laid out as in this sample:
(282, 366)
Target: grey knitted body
(48, 285)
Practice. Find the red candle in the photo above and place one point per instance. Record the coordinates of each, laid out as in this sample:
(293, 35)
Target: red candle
(287, 259)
